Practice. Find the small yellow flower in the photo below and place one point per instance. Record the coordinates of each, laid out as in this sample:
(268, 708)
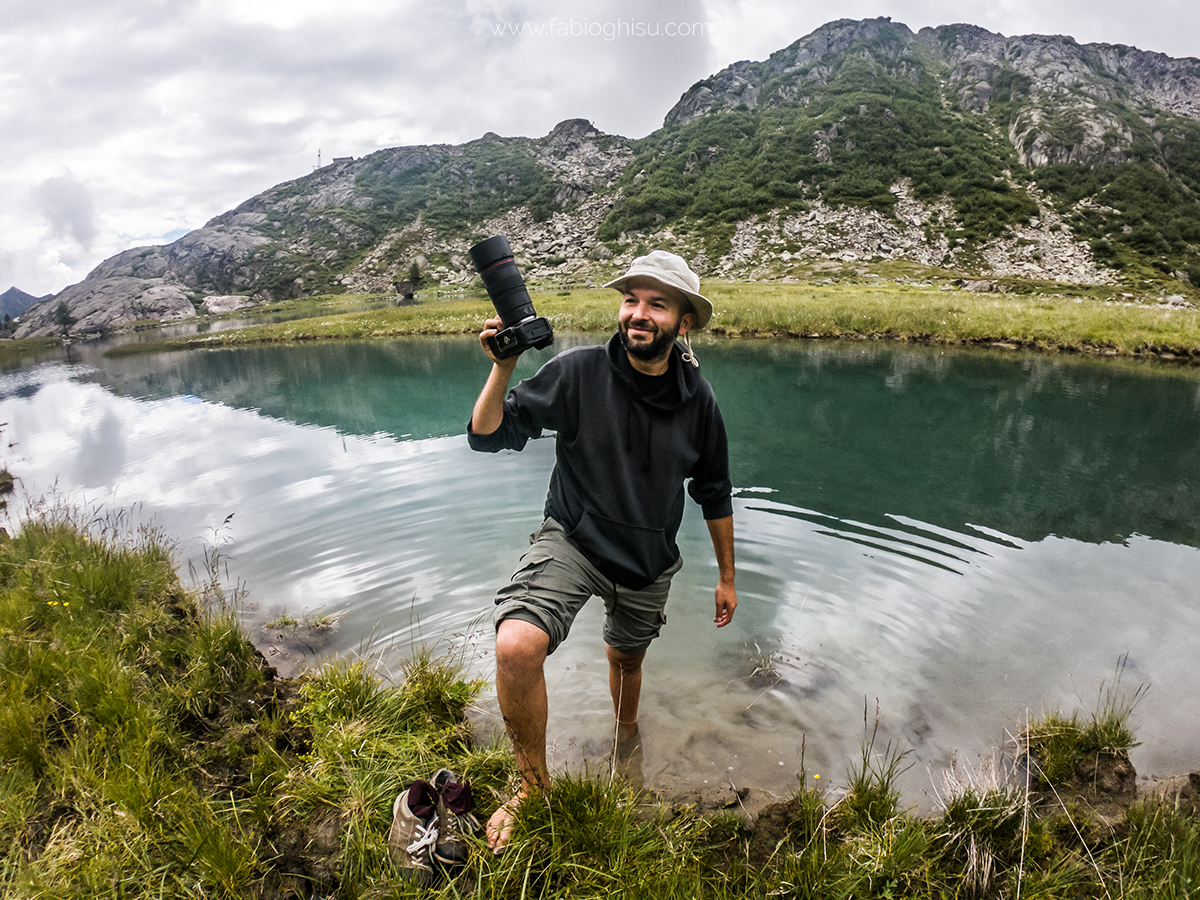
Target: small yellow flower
(816, 776)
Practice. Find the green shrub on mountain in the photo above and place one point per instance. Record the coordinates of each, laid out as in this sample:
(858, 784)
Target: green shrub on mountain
(881, 107)
(451, 190)
(847, 142)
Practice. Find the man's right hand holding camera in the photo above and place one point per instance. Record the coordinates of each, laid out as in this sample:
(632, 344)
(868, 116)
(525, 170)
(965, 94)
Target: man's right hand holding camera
(489, 407)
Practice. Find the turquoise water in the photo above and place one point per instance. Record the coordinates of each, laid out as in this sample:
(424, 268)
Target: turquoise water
(957, 540)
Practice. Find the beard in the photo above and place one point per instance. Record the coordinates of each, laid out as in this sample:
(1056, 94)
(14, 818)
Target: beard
(653, 351)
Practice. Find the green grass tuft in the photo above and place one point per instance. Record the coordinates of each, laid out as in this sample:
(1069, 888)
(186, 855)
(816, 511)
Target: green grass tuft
(1058, 743)
(872, 798)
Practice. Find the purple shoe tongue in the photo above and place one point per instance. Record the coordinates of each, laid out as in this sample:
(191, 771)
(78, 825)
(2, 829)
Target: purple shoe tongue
(457, 798)
(422, 799)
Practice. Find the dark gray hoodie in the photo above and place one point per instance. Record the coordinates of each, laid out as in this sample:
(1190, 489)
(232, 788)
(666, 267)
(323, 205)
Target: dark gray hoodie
(621, 458)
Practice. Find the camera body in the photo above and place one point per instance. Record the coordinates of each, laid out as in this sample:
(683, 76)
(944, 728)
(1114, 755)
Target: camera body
(523, 328)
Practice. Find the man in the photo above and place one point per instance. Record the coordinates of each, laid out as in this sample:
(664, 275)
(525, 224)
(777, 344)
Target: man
(633, 421)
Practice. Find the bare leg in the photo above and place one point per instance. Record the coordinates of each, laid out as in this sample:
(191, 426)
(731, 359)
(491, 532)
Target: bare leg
(625, 685)
(521, 689)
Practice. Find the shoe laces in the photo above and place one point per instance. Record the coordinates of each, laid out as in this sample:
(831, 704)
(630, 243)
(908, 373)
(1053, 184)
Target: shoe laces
(426, 836)
(457, 823)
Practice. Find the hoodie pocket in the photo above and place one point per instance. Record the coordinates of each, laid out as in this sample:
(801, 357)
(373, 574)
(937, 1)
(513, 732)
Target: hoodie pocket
(630, 555)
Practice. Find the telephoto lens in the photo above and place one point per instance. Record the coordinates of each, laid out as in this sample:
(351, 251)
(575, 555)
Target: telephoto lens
(523, 328)
(494, 262)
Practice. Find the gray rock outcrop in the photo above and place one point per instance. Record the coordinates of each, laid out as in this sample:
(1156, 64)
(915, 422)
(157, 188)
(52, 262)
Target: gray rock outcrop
(128, 287)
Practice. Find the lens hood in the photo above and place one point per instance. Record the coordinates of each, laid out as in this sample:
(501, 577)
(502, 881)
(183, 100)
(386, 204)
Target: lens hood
(487, 253)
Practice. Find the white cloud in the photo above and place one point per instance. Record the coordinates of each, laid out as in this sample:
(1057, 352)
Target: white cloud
(67, 205)
(169, 113)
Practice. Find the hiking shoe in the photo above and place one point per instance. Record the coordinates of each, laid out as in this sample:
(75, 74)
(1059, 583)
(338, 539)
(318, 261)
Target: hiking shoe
(414, 832)
(454, 805)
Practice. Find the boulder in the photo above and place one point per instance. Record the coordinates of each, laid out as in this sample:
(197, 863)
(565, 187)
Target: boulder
(223, 303)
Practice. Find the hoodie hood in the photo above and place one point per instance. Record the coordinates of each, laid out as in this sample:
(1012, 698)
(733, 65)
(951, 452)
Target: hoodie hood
(683, 383)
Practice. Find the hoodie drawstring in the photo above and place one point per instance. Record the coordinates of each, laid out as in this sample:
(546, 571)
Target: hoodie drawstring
(689, 355)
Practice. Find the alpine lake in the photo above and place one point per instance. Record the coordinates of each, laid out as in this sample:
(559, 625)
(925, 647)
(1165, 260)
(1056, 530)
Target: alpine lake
(953, 542)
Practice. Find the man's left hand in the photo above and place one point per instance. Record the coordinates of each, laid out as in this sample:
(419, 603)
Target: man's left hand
(721, 531)
(726, 604)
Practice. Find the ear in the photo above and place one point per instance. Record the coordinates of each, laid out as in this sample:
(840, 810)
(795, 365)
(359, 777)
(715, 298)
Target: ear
(687, 322)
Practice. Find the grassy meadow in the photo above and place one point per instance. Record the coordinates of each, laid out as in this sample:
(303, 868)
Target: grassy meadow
(1093, 320)
(147, 750)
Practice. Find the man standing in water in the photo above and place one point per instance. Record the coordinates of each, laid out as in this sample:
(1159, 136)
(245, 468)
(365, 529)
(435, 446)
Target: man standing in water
(633, 420)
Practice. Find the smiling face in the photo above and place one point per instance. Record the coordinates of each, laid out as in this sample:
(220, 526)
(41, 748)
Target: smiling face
(650, 318)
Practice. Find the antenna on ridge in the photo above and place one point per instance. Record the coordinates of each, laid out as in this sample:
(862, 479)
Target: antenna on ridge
(318, 165)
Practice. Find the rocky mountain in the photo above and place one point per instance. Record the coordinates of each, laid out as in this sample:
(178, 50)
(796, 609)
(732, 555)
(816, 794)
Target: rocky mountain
(15, 301)
(1057, 76)
(861, 148)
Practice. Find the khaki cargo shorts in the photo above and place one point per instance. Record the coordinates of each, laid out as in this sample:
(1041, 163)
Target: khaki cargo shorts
(554, 580)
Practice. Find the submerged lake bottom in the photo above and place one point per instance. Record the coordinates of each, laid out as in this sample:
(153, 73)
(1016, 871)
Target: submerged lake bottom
(953, 542)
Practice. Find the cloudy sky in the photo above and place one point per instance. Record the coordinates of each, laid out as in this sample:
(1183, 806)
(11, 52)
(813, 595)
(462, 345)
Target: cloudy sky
(131, 122)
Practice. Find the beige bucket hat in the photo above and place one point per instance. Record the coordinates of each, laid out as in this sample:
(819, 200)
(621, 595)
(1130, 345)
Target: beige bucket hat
(671, 271)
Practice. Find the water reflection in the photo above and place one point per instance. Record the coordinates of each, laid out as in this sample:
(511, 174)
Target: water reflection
(958, 538)
(411, 389)
(1029, 447)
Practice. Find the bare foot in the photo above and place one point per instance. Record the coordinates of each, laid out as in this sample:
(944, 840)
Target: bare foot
(500, 825)
(628, 756)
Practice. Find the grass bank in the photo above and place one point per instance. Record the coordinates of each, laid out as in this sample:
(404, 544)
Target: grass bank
(147, 750)
(1092, 320)
(17, 353)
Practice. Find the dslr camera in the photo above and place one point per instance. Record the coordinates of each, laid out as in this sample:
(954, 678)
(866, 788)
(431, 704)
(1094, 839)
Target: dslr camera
(523, 328)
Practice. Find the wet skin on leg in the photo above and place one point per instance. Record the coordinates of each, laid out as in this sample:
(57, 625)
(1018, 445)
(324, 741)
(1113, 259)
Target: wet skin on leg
(521, 649)
(625, 685)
